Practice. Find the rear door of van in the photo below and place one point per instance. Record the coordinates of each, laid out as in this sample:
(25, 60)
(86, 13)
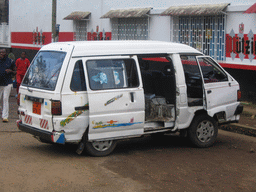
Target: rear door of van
(116, 97)
(41, 88)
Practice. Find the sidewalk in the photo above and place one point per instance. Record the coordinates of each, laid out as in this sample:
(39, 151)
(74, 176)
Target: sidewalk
(246, 125)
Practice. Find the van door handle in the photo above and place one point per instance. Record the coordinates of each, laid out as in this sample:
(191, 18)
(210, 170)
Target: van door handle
(132, 97)
(82, 108)
(209, 91)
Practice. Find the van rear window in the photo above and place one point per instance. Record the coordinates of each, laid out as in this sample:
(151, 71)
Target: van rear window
(44, 70)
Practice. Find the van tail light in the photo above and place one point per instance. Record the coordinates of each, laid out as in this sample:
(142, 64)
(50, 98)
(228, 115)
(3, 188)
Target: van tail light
(56, 108)
(18, 99)
(239, 95)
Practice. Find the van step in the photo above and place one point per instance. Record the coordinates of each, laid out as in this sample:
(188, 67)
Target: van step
(158, 126)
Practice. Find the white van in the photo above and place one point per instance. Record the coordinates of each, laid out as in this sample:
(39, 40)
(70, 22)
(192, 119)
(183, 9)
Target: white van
(95, 93)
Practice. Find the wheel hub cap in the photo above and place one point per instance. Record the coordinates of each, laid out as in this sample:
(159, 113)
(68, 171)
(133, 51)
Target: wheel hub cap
(205, 131)
(102, 145)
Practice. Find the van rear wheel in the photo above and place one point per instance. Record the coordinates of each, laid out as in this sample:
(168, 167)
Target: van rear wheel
(203, 131)
(100, 148)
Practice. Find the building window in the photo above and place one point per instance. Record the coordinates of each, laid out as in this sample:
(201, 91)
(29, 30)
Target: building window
(80, 30)
(130, 28)
(205, 33)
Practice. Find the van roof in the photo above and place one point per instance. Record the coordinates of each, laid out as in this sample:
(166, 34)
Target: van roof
(93, 48)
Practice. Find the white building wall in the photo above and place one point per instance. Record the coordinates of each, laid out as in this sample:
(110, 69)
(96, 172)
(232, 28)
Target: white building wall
(27, 15)
(159, 28)
(236, 16)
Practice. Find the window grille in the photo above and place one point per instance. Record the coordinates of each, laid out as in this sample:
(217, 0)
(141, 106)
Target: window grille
(205, 33)
(80, 32)
(130, 29)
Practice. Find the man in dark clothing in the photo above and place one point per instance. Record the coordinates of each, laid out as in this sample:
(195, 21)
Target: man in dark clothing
(7, 71)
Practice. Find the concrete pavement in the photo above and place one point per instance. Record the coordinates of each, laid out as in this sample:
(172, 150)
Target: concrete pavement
(11, 126)
(242, 127)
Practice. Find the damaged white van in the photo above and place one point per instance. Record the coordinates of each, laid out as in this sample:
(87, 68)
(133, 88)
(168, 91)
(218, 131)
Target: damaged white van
(96, 93)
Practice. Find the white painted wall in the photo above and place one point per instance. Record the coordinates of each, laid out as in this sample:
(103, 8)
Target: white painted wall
(160, 28)
(26, 15)
(236, 18)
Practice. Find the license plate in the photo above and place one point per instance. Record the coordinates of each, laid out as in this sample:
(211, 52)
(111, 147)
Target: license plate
(37, 108)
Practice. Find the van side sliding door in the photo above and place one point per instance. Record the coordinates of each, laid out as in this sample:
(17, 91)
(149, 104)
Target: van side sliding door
(116, 97)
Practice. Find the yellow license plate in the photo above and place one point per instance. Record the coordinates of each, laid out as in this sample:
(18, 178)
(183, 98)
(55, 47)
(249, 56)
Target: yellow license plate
(37, 108)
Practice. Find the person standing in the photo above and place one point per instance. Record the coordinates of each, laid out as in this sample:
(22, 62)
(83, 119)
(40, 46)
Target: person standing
(22, 65)
(7, 71)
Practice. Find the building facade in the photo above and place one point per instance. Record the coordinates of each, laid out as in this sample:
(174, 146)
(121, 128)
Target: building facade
(224, 31)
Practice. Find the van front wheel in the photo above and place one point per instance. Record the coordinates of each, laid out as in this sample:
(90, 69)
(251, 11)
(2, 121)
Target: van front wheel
(203, 131)
(100, 148)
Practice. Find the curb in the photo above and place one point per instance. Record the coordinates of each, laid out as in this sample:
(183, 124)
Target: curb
(241, 129)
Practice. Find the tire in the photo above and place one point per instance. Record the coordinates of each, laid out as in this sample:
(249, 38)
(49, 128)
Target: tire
(203, 131)
(100, 148)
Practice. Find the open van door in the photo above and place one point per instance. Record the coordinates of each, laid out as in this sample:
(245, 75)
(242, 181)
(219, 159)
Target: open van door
(116, 98)
(220, 89)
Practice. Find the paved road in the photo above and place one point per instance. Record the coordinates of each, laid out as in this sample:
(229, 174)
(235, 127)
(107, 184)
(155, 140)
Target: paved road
(147, 164)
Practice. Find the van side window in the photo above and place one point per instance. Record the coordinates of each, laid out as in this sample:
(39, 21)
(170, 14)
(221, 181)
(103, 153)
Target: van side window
(78, 78)
(192, 76)
(112, 74)
(211, 72)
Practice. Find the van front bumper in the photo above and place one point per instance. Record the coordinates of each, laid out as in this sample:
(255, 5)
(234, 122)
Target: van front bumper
(53, 137)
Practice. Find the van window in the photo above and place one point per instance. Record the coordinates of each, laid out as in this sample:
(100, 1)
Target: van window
(44, 70)
(211, 72)
(112, 74)
(192, 76)
(78, 79)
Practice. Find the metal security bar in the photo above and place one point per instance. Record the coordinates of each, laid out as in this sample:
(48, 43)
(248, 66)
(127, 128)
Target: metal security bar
(130, 29)
(205, 33)
(80, 30)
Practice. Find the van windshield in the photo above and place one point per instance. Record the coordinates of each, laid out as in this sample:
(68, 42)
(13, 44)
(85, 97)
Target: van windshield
(44, 70)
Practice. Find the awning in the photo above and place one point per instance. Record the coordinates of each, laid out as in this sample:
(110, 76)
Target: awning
(78, 15)
(252, 9)
(127, 13)
(194, 10)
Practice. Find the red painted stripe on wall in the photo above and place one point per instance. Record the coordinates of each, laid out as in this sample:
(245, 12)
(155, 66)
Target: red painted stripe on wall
(30, 38)
(22, 37)
(66, 36)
